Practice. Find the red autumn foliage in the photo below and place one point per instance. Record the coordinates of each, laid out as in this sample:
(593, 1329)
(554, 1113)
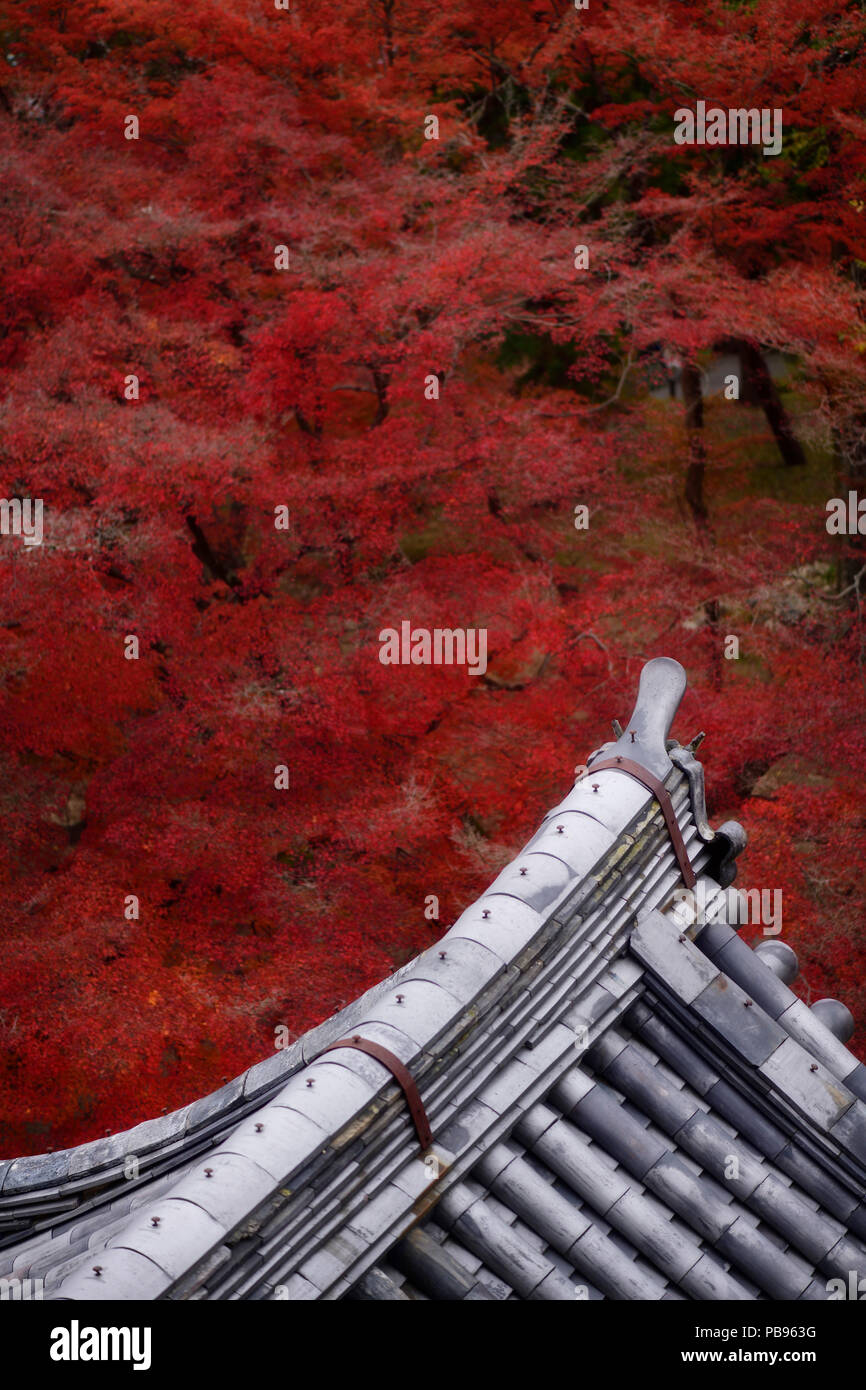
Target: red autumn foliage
(309, 388)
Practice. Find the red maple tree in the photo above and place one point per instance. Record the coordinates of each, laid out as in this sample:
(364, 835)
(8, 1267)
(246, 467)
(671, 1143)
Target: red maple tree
(253, 470)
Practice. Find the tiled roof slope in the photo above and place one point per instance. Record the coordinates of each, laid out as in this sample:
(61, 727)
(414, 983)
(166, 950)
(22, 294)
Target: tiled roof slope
(699, 1149)
(625, 1103)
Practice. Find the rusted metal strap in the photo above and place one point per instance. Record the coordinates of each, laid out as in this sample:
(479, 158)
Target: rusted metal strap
(662, 796)
(400, 1074)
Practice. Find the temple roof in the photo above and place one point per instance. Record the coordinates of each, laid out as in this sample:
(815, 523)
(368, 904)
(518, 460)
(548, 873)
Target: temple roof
(624, 1100)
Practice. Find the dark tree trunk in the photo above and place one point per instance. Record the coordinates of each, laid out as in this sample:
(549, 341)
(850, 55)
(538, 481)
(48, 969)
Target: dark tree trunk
(761, 388)
(849, 447)
(388, 20)
(380, 381)
(205, 553)
(691, 382)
